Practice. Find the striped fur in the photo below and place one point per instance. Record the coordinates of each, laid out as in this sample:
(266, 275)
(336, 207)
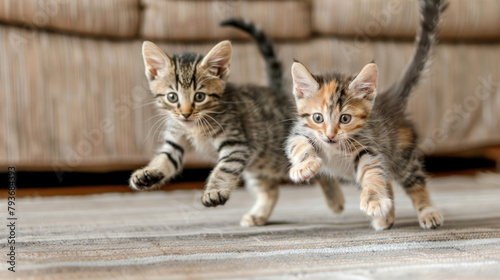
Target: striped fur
(274, 68)
(346, 130)
(242, 129)
(430, 17)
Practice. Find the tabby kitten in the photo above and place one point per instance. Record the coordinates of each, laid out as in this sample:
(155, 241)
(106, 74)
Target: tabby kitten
(346, 130)
(240, 128)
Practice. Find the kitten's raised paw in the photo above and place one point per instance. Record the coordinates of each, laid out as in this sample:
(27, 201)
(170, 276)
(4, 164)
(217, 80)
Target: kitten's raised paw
(214, 197)
(250, 220)
(430, 218)
(305, 170)
(376, 206)
(145, 178)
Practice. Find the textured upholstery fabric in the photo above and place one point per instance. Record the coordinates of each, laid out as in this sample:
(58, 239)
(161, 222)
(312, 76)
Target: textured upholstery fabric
(170, 235)
(463, 20)
(59, 90)
(77, 103)
(112, 18)
(199, 19)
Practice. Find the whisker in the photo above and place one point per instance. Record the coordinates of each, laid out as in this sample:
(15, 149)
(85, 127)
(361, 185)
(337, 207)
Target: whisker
(201, 125)
(145, 104)
(158, 127)
(349, 151)
(206, 124)
(217, 123)
(153, 126)
(341, 144)
(363, 146)
(209, 125)
(230, 102)
(214, 112)
(287, 120)
(160, 114)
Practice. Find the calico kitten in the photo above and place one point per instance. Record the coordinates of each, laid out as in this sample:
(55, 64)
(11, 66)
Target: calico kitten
(347, 130)
(240, 128)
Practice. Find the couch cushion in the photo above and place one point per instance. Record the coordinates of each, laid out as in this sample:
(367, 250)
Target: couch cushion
(72, 103)
(114, 18)
(199, 19)
(463, 20)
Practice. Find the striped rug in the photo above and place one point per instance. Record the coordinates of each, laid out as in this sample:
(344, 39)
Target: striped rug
(170, 235)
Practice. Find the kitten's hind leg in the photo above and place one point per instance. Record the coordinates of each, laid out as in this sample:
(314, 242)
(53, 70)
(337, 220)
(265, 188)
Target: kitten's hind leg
(266, 191)
(333, 194)
(414, 184)
(428, 216)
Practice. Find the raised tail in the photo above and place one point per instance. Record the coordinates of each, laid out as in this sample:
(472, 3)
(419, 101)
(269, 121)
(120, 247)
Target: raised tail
(274, 68)
(430, 16)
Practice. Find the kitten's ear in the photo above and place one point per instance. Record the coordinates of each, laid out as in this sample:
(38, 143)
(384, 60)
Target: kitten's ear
(155, 61)
(365, 84)
(304, 84)
(217, 61)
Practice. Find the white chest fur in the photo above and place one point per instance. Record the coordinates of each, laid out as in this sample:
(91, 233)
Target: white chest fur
(203, 146)
(337, 165)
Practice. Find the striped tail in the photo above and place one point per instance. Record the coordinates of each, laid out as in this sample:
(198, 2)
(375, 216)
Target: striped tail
(274, 68)
(430, 16)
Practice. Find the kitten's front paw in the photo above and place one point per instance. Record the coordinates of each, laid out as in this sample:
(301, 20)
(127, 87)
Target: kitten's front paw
(376, 205)
(430, 218)
(380, 224)
(145, 178)
(213, 197)
(250, 220)
(305, 170)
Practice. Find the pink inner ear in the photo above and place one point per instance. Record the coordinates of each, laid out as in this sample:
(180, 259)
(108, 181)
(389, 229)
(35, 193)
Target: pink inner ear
(303, 82)
(154, 64)
(366, 87)
(152, 71)
(366, 90)
(299, 92)
(218, 65)
(218, 59)
(303, 87)
(217, 70)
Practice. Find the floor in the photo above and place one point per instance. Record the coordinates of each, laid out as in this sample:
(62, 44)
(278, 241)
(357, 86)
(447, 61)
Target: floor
(170, 235)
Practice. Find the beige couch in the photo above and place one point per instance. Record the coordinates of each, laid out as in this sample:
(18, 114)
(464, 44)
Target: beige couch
(74, 96)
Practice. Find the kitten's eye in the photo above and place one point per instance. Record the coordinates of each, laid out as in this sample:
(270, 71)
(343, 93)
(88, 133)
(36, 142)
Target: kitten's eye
(199, 97)
(318, 118)
(172, 97)
(345, 118)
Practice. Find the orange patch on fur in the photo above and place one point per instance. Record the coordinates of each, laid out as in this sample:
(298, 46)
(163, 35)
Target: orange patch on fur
(377, 182)
(327, 91)
(364, 172)
(405, 137)
(299, 149)
(419, 196)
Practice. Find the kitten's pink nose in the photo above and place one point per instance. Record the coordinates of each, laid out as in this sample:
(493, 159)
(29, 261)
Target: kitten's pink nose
(331, 139)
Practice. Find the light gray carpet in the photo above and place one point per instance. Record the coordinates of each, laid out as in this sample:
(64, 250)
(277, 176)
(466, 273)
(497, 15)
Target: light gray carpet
(170, 235)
